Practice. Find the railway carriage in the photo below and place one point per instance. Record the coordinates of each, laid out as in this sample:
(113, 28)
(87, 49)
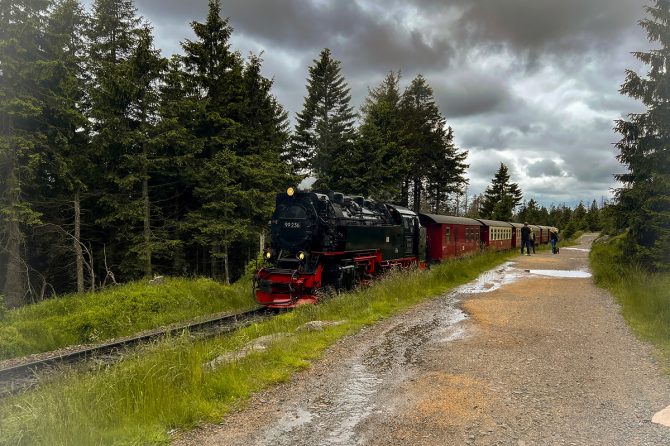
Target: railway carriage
(545, 234)
(449, 236)
(496, 235)
(537, 230)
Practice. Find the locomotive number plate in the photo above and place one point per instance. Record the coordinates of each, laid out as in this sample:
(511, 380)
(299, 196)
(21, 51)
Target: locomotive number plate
(292, 224)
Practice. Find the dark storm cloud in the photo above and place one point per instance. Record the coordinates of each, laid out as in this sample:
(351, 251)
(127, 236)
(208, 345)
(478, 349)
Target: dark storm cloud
(548, 25)
(364, 42)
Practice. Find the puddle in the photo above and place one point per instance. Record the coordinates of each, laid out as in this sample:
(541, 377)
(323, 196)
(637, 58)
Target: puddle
(294, 419)
(560, 273)
(576, 249)
(354, 405)
(449, 328)
(336, 426)
(490, 280)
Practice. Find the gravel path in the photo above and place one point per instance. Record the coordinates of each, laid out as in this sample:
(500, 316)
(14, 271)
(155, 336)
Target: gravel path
(528, 354)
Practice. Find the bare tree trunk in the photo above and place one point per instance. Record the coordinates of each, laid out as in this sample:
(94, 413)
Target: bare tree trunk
(214, 261)
(15, 280)
(226, 271)
(77, 240)
(147, 215)
(261, 241)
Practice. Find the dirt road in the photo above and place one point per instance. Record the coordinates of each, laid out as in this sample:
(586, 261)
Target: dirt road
(530, 354)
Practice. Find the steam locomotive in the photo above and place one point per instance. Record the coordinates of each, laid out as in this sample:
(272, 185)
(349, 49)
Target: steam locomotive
(326, 240)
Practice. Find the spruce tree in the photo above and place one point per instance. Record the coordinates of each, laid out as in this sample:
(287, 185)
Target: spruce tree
(378, 157)
(113, 35)
(644, 148)
(125, 68)
(65, 174)
(216, 77)
(433, 164)
(324, 132)
(501, 197)
(22, 138)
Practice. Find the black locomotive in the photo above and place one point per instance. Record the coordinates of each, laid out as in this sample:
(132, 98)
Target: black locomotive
(327, 239)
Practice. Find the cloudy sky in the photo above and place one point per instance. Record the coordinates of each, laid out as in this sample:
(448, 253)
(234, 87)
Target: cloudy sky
(530, 83)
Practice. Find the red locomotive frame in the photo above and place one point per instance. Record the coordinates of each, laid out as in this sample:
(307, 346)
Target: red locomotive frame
(286, 288)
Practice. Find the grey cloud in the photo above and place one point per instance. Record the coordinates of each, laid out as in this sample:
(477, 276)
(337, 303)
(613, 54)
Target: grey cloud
(468, 93)
(544, 168)
(364, 43)
(548, 25)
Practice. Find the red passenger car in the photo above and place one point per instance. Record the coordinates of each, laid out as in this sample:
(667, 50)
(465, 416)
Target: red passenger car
(537, 230)
(545, 234)
(496, 235)
(450, 236)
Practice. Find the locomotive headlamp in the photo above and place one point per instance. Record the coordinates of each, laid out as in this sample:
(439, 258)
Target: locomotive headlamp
(268, 254)
(300, 255)
(290, 191)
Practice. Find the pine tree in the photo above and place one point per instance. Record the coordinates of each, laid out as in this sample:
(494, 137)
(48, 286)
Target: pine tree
(113, 35)
(501, 197)
(529, 212)
(68, 137)
(645, 148)
(377, 157)
(433, 162)
(324, 131)
(593, 217)
(22, 56)
(216, 77)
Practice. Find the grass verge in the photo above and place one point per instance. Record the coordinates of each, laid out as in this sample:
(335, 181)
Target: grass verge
(170, 386)
(644, 296)
(115, 312)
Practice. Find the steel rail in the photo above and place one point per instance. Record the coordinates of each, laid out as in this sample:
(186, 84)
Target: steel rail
(226, 323)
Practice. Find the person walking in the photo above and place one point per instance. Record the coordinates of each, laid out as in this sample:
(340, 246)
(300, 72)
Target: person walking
(553, 238)
(525, 238)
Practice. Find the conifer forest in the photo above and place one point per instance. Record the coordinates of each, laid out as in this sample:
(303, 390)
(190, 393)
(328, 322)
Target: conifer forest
(117, 163)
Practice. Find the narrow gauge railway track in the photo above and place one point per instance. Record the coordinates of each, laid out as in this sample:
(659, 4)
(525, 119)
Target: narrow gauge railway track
(22, 375)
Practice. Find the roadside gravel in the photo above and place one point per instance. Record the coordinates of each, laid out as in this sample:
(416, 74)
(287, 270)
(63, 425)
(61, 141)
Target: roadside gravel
(516, 358)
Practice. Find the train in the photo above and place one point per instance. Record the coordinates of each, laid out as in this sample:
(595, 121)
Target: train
(325, 240)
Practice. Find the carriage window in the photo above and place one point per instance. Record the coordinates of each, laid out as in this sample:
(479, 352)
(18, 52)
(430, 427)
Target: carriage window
(447, 235)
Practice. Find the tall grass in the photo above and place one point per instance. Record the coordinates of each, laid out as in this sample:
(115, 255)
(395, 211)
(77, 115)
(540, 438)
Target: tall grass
(644, 296)
(168, 385)
(114, 312)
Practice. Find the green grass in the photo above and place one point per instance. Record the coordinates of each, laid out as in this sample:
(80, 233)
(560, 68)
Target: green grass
(167, 386)
(114, 312)
(644, 296)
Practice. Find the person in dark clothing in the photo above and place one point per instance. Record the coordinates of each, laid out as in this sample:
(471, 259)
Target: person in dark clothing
(553, 236)
(525, 238)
